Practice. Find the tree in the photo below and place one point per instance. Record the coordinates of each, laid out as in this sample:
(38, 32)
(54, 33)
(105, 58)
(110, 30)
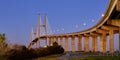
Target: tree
(3, 43)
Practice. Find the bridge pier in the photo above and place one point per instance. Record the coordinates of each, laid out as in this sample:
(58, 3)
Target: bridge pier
(38, 44)
(94, 41)
(79, 43)
(61, 41)
(49, 39)
(94, 44)
(66, 43)
(111, 44)
(73, 43)
(86, 43)
(103, 42)
(52, 40)
(56, 39)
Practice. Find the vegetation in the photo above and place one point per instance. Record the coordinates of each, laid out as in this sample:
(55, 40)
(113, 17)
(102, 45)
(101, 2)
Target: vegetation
(81, 58)
(21, 52)
(96, 58)
(3, 44)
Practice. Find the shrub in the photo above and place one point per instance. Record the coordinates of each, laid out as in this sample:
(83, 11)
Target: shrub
(21, 52)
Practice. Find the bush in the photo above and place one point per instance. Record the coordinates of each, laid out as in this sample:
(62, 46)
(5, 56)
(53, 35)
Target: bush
(21, 52)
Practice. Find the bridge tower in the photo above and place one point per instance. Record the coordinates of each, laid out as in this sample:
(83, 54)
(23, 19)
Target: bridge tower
(45, 28)
(38, 31)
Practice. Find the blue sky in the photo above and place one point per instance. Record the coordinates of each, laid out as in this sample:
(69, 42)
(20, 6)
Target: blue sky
(17, 16)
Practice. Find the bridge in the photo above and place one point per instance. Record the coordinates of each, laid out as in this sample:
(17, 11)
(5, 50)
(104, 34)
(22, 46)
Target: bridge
(109, 25)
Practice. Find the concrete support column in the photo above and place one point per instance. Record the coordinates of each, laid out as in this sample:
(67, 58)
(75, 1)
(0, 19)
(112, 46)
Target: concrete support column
(103, 42)
(86, 43)
(46, 41)
(79, 43)
(52, 40)
(66, 43)
(57, 39)
(111, 33)
(61, 40)
(49, 41)
(38, 44)
(94, 44)
(73, 43)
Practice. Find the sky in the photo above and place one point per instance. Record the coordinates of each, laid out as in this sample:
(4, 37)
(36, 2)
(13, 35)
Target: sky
(18, 16)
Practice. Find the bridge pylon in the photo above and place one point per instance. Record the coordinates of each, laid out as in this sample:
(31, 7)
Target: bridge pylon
(37, 33)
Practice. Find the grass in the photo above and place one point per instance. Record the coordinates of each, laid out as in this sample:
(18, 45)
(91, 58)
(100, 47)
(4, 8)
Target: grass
(97, 58)
(51, 57)
(82, 58)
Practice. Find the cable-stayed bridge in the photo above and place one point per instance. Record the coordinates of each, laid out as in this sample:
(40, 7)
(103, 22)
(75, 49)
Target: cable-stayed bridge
(109, 25)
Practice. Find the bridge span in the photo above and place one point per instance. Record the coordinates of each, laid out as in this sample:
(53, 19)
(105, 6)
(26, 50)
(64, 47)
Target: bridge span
(108, 26)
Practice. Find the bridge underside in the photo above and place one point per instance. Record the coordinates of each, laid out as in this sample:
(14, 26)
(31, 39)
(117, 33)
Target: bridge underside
(109, 25)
